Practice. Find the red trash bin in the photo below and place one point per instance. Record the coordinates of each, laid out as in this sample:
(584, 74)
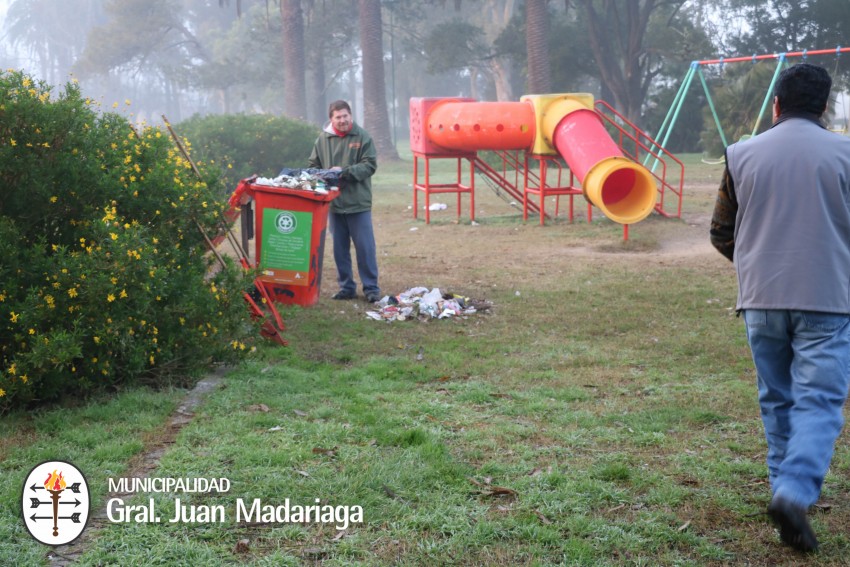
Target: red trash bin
(289, 239)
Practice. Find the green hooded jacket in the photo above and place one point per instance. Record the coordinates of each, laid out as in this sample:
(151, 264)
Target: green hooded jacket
(355, 154)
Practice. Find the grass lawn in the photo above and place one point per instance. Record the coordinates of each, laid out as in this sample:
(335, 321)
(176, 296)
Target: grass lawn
(603, 412)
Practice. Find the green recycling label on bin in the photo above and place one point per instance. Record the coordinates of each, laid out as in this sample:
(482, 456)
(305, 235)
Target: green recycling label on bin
(285, 245)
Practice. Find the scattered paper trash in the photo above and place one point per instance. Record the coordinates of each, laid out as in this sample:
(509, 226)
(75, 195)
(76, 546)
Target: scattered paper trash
(438, 207)
(424, 304)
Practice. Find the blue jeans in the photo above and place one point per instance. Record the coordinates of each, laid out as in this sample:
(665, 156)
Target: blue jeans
(802, 359)
(356, 228)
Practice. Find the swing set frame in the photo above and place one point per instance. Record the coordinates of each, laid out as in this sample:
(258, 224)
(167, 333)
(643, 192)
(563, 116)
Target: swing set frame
(695, 70)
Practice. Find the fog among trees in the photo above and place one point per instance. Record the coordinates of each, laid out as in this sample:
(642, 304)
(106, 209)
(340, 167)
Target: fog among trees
(147, 58)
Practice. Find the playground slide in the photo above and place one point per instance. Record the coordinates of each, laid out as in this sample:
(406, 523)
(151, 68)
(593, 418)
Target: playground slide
(622, 189)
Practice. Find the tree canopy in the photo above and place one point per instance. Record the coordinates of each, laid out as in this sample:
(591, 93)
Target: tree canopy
(183, 57)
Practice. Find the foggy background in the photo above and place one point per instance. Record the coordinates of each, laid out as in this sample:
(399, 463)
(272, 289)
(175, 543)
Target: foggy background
(146, 58)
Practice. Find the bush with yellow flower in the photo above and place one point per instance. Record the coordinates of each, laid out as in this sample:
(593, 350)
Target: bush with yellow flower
(104, 275)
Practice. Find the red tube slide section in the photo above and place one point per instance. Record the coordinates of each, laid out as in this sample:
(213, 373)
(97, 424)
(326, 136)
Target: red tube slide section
(623, 190)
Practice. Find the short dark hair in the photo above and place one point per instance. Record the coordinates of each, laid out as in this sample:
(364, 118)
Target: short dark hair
(338, 105)
(803, 88)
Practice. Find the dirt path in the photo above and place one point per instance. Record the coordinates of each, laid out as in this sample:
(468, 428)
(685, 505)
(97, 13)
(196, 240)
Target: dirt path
(141, 466)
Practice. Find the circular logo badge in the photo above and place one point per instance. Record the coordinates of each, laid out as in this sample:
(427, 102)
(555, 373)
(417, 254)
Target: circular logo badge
(285, 222)
(55, 502)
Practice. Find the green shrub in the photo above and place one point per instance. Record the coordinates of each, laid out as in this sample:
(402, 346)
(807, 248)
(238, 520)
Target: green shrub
(249, 143)
(103, 273)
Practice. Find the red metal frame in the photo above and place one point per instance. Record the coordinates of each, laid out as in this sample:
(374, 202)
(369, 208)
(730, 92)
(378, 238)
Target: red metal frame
(436, 188)
(543, 189)
(501, 179)
(805, 53)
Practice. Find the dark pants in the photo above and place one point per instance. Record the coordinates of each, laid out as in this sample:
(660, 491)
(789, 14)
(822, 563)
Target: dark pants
(357, 228)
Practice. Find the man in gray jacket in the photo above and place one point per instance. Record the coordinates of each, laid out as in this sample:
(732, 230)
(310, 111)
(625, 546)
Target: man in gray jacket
(783, 216)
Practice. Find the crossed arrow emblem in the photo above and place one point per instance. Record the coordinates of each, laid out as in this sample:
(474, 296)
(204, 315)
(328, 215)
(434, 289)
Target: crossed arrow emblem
(56, 510)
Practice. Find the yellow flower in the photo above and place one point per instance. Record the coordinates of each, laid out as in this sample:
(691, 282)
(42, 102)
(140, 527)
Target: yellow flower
(32, 331)
(13, 142)
(12, 369)
(110, 298)
(24, 378)
(72, 292)
(2, 392)
(123, 294)
(14, 317)
(96, 340)
(54, 198)
(113, 236)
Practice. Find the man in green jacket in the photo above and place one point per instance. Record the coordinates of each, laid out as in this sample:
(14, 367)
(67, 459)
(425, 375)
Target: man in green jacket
(346, 147)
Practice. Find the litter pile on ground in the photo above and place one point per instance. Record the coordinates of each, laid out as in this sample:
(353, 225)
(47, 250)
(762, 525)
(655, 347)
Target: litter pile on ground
(423, 304)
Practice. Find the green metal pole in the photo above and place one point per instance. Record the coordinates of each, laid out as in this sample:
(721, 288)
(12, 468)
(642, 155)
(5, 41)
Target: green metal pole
(713, 110)
(768, 96)
(673, 113)
(677, 101)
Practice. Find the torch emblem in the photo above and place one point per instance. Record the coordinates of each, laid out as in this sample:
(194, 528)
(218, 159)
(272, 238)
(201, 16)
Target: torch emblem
(55, 502)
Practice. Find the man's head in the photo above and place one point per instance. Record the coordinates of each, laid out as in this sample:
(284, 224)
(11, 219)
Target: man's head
(340, 114)
(802, 88)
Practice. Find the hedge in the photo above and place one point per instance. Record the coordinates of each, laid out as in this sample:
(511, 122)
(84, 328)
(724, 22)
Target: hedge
(104, 275)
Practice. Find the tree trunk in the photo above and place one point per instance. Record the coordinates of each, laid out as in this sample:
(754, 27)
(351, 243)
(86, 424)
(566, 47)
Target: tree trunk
(616, 34)
(537, 47)
(318, 110)
(375, 113)
(501, 70)
(294, 89)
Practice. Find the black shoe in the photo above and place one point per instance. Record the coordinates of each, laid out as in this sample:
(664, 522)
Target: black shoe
(373, 297)
(343, 295)
(794, 528)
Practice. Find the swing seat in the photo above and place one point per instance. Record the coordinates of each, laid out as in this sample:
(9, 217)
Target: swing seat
(716, 161)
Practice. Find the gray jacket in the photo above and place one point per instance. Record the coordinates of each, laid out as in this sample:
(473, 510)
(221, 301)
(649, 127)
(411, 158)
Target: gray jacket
(792, 225)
